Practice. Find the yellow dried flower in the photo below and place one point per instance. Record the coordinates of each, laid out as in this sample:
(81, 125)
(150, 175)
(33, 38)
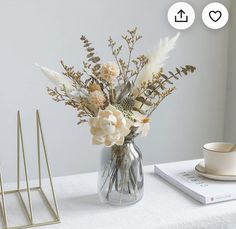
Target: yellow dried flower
(109, 71)
(146, 120)
(94, 87)
(97, 98)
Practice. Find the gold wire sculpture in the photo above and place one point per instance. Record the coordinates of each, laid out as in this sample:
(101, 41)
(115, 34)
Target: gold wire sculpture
(28, 211)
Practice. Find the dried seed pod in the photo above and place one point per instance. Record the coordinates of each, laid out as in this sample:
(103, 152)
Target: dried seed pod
(127, 103)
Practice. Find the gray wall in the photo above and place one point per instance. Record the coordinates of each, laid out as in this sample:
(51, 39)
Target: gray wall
(47, 31)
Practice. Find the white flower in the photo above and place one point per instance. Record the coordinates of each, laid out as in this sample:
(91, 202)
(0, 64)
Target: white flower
(156, 60)
(109, 71)
(57, 78)
(109, 127)
(62, 82)
(143, 124)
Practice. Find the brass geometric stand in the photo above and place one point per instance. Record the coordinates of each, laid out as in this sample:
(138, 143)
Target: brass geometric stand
(26, 205)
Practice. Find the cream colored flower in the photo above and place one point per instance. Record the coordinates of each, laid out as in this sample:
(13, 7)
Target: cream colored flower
(58, 79)
(143, 124)
(156, 59)
(109, 127)
(97, 99)
(109, 71)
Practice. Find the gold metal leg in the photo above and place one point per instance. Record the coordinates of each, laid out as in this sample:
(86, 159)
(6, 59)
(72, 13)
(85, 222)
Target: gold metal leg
(20, 139)
(40, 133)
(3, 206)
(28, 209)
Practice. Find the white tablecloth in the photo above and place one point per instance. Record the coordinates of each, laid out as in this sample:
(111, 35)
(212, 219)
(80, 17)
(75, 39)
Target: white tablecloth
(162, 206)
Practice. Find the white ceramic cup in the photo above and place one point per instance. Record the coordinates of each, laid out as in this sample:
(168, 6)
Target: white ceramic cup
(219, 158)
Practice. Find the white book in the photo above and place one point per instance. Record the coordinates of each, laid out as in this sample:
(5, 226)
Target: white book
(182, 175)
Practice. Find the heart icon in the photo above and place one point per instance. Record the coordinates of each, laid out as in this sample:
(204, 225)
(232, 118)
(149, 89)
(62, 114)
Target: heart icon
(215, 15)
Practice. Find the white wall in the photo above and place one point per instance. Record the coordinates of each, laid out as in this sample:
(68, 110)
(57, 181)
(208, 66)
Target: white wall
(47, 31)
(230, 111)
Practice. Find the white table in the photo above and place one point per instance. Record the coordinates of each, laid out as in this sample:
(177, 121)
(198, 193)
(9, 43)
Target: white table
(162, 206)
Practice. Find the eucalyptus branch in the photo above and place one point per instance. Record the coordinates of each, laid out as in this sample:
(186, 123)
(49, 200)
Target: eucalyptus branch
(185, 70)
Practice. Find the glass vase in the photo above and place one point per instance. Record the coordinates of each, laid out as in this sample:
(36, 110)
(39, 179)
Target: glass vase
(121, 179)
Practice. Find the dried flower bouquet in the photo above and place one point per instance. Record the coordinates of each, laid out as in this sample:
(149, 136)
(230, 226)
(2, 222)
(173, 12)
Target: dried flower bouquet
(117, 99)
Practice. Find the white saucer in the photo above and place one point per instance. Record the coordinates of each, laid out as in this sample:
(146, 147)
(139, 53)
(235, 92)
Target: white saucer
(200, 169)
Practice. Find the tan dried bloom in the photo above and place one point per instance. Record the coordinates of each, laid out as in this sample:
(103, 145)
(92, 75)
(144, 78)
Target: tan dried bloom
(109, 71)
(97, 99)
(94, 87)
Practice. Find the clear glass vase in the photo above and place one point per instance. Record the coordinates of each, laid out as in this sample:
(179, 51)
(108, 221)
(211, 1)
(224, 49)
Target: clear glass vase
(121, 179)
